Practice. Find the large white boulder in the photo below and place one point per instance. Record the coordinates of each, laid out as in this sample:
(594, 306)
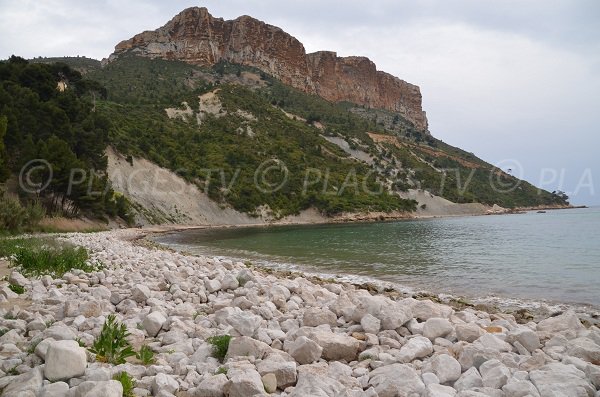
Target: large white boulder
(417, 347)
(436, 327)
(446, 368)
(65, 359)
(396, 380)
(153, 323)
(304, 350)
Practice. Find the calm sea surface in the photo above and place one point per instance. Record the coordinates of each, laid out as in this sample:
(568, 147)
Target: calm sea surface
(553, 256)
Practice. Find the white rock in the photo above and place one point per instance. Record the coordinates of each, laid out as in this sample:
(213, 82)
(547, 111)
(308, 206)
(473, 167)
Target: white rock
(17, 278)
(164, 382)
(229, 281)
(336, 346)
(565, 322)
(64, 360)
(212, 286)
(57, 389)
(244, 322)
(28, 384)
(370, 324)
(244, 382)
(446, 367)
(417, 347)
(520, 388)
(110, 388)
(470, 379)
(140, 293)
(557, 379)
(436, 327)
(284, 371)
(468, 332)
(434, 390)
(426, 309)
(304, 350)
(269, 382)
(315, 316)
(153, 323)
(212, 386)
(310, 384)
(245, 346)
(585, 349)
(494, 374)
(396, 380)
(526, 337)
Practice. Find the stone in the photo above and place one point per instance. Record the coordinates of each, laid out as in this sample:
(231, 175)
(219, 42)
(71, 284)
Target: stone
(396, 380)
(314, 317)
(65, 359)
(245, 323)
(592, 372)
(528, 338)
(520, 388)
(468, 332)
(310, 384)
(28, 384)
(60, 332)
(417, 347)
(42, 348)
(304, 350)
(109, 388)
(336, 346)
(370, 324)
(394, 315)
(163, 382)
(436, 328)
(269, 382)
(244, 382)
(446, 368)
(559, 379)
(492, 342)
(17, 278)
(434, 390)
(494, 374)
(153, 323)
(140, 293)
(243, 346)
(212, 386)
(567, 321)
(229, 282)
(425, 309)
(56, 389)
(585, 349)
(470, 379)
(284, 371)
(212, 286)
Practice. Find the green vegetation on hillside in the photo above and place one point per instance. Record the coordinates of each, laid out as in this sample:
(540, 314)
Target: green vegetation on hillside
(255, 134)
(53, 139)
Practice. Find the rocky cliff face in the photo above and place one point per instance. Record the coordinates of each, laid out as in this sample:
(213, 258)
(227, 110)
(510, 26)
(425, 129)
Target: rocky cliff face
(196, 37)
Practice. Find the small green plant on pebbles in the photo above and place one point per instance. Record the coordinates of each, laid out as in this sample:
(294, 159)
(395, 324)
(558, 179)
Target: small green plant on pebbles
(111, 346)
(17, 289)
(80, 342)
(3, 331)
(12, 371)
(146, 355)
(127, 382)
(221, 370)
(220, 345)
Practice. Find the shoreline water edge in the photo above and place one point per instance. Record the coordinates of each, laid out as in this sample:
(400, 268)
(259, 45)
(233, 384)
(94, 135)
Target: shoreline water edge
(290, 335)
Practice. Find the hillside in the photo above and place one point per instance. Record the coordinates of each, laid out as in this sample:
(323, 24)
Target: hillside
(240, 139)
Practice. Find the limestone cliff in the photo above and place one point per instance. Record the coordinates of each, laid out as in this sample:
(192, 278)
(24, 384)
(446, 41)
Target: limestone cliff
(196, 37)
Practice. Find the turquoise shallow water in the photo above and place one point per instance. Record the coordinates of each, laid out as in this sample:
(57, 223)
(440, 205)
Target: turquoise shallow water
(553, 256)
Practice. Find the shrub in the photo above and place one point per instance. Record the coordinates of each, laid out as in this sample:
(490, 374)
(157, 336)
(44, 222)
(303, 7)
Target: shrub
(127, 382)
(220, 345)
(38, 257)
(146, 355)
(17, 289)
(111, 346)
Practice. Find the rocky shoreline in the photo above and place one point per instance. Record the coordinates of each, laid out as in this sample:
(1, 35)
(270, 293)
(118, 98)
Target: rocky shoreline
(290, 336)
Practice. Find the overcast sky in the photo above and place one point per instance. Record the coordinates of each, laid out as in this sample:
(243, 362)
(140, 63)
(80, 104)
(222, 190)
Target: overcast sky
(517, 82)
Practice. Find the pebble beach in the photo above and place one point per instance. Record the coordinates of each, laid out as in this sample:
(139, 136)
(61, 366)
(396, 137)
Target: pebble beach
(290, 336)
